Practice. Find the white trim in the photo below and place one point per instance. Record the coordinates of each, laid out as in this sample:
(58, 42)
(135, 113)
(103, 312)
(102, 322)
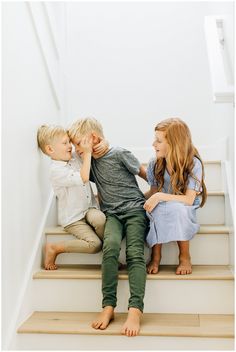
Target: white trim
(52, 26)
(28, 274)
(36, 11)
(220, 97)
(228, 185)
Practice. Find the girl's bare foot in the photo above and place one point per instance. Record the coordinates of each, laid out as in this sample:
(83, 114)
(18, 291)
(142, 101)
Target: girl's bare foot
(104, 318)
(153, 266)
(50, 257)
(132, 325)
(185, 266)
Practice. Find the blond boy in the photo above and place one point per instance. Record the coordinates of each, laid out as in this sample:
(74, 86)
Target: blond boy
(122, 202)
(78, 210)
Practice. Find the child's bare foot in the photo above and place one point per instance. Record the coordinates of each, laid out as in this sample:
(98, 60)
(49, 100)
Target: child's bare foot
(185, 266)
(50, 257)
(153, 266)
(104, 318)
(132, 325)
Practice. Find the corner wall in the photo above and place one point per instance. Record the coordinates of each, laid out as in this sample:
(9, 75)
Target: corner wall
(31, 71)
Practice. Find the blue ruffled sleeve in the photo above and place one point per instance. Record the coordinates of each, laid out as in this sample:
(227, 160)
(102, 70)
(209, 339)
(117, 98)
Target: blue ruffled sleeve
(197, 172)
(150, 173)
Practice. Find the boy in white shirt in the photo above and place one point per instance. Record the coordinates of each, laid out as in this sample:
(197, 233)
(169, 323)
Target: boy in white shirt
(78, 210)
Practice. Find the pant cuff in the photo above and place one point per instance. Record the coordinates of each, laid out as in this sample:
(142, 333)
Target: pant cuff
(136, 306)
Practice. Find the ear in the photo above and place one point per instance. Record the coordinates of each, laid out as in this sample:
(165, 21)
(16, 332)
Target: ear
(95, 137)
(49, 149)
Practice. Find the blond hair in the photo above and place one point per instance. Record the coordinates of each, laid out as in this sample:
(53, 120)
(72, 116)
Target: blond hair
(46, 135)
(85, 126)
(180, 154)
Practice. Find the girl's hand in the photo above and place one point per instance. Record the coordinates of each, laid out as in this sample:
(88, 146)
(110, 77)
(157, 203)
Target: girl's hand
(152, 202)
(86, 144)
(101, 148)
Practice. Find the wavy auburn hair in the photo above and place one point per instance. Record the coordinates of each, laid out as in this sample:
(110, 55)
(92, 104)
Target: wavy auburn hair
(180, 154)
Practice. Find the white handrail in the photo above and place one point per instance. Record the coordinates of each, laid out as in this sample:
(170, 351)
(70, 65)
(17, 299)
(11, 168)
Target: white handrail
(218, 56)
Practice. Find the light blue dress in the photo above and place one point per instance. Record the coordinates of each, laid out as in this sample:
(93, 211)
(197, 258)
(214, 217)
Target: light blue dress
(172, 220)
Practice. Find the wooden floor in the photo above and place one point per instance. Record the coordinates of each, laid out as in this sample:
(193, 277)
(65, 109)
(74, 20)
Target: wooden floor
(175, 325)
(167, 272)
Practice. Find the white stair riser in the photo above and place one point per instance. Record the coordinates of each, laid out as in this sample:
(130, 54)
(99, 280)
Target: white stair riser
(213, 178)
(164, 296)
(92, 342)
(213, 212)
(107, 343)
(205, 249)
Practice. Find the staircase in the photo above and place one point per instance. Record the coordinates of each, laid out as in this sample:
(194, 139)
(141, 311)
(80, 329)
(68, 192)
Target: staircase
(188, 312)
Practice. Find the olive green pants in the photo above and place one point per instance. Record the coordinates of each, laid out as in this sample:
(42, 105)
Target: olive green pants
(133, 225)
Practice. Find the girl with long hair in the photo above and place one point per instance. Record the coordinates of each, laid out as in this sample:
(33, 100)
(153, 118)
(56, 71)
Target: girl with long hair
(177, 189)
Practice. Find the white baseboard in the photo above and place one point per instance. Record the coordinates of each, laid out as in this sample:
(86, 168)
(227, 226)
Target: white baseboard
(228, 187)
(33, 264)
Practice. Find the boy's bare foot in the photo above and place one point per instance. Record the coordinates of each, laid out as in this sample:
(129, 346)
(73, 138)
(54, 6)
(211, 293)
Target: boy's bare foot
(104, 318)
(153, 266)
(185, 266)
(132, 325)
(50, 257)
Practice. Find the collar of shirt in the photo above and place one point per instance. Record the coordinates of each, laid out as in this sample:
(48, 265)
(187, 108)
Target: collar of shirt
(59, 162)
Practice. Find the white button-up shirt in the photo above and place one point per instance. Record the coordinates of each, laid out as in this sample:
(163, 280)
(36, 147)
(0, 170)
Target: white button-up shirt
(74, 196)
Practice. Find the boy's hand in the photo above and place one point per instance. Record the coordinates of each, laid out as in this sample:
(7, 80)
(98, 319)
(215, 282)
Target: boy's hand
(101, 148)
(86, 144)
(152, 202)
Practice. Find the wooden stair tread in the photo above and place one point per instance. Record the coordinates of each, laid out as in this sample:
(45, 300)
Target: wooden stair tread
(204, 229)
(167, 272)
(153, 324)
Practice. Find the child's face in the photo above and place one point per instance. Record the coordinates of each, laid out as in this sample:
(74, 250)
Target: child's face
(77, 142)
(160, 144)
(61, 148)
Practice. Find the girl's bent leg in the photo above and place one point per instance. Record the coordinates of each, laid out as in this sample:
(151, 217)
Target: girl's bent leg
(153, 266)
(185, 266)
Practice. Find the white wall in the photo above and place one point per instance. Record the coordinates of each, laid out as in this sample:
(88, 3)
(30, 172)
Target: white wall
(28, 101)
(131, 64)
(128, 64)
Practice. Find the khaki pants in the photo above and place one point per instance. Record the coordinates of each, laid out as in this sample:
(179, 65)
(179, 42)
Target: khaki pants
(88, 231)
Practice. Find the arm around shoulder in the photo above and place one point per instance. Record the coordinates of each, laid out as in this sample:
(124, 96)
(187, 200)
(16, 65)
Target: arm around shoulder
(142, 172)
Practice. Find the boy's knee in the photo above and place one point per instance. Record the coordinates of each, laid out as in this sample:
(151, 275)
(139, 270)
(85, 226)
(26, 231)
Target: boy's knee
(111, 246)
(100, 223)
(135, 255)
(95, 247)
(98, 219)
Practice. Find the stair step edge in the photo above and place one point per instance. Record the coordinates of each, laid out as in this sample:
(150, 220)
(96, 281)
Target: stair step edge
(153, 324)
